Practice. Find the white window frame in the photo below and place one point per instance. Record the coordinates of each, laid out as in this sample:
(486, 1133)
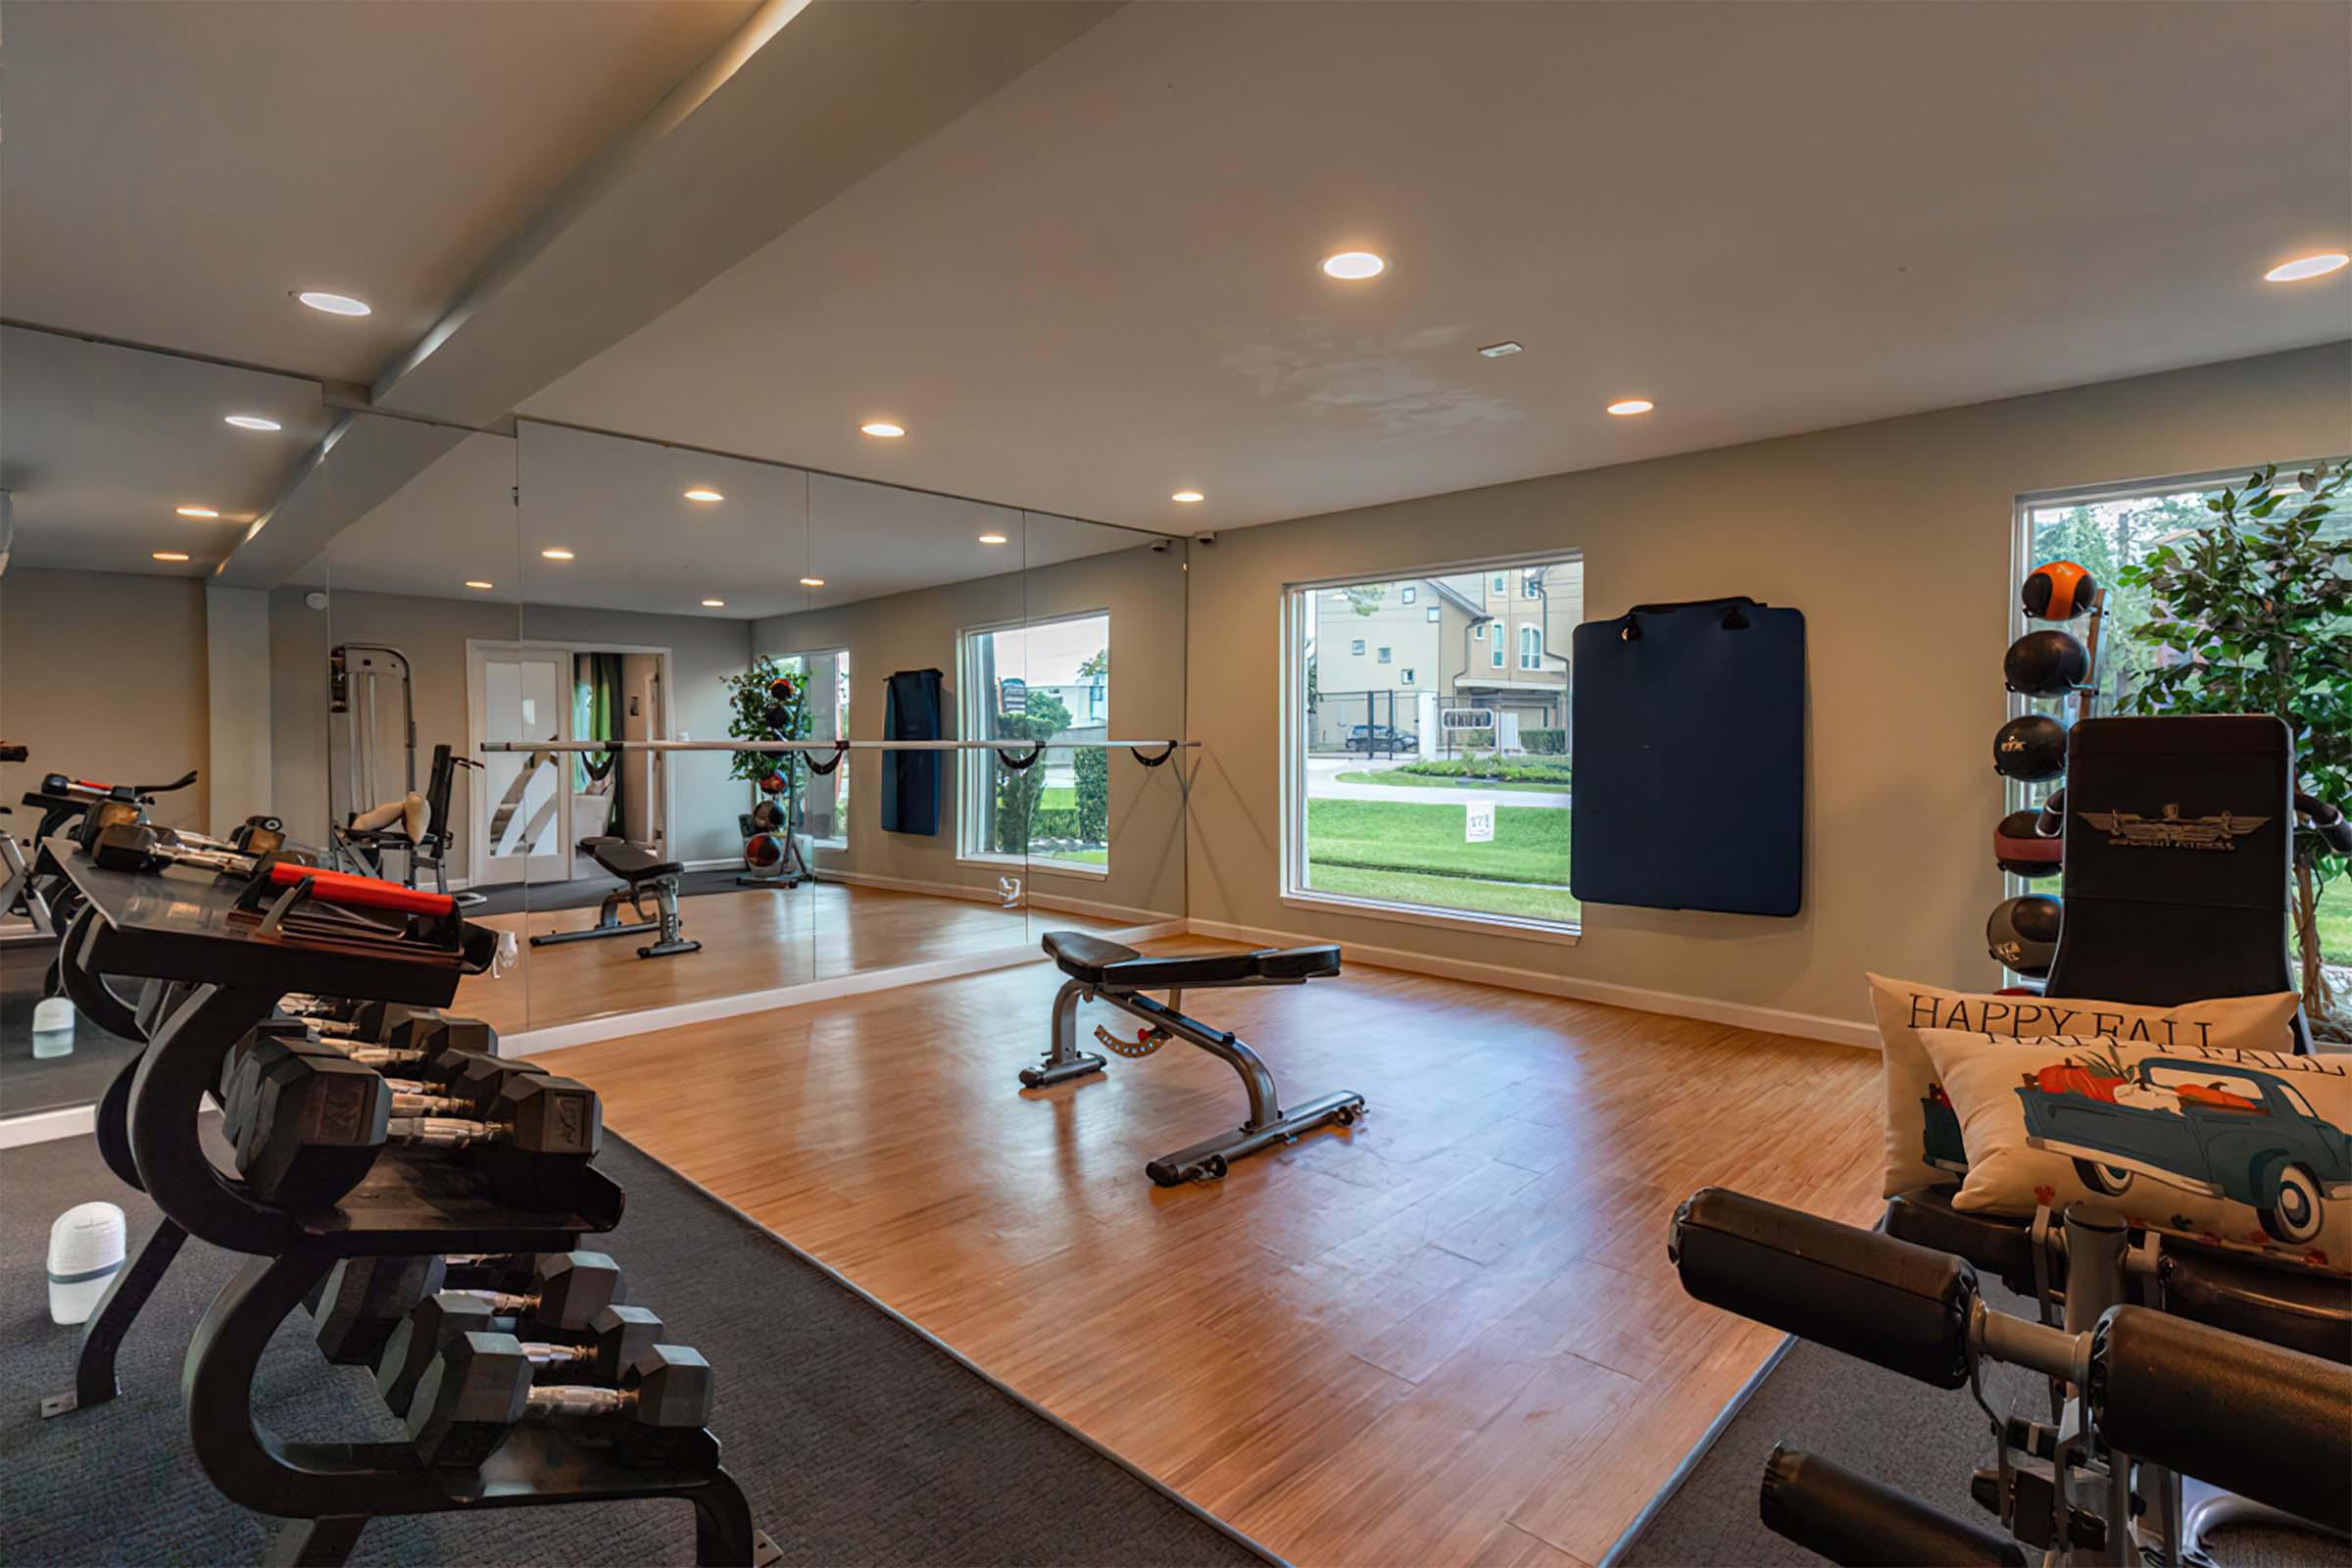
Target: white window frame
(1478, 632)
(2016, 797)
(839, 779)
(1531, 658)
(1408, 594)
(974, 771)
(1405, 676)
(1497, 656)
(1436, 615)
(1290, 747)
(1500, 582)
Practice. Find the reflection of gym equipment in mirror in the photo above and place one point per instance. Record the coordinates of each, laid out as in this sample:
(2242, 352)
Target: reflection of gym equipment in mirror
(1107, 972)
(373, 829)
(641, 872)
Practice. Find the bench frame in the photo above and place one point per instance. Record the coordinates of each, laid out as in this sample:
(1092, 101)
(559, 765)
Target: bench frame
(1209, 1159)
(631, 891)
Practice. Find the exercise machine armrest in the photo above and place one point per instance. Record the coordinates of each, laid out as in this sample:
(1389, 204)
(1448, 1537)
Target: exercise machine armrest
(2274, 1424)
(1900, 1307)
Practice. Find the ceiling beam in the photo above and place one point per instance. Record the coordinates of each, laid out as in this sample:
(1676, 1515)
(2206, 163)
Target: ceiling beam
(810, 98)
(356, 467)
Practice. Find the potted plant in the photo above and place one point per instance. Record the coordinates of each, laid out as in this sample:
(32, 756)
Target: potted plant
(2253, 614)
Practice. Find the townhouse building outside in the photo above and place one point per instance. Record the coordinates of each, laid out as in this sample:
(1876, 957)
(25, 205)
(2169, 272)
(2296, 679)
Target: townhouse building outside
(1408, 668)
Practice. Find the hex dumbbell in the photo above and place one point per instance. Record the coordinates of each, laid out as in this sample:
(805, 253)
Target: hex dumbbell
(364, 1300)
(476, 1392)
(616, 1336)
(316, 1123)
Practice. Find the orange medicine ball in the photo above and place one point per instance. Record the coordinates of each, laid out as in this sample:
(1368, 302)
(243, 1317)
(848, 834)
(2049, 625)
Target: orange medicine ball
(2060, 590)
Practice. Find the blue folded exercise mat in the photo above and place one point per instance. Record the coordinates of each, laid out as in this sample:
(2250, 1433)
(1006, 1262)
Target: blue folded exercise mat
(910, 711)
(1689, 725)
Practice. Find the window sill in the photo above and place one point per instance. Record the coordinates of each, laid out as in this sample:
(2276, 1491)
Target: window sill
(1566, 935)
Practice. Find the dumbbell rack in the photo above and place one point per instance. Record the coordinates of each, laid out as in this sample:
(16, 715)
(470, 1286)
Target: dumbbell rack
(184, 924)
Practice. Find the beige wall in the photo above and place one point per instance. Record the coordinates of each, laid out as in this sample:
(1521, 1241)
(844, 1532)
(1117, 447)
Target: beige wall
(1892, 537)
(1144, 591)
(102, 674)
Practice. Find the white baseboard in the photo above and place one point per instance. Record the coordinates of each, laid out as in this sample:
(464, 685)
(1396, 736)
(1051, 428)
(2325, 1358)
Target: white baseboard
(715, 864)
(558, 1037)
(1768, 1020)
(45, 1126)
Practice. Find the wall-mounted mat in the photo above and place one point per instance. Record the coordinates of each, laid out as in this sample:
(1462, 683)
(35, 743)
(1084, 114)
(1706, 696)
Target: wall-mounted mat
(1689, 725)
(912, 712)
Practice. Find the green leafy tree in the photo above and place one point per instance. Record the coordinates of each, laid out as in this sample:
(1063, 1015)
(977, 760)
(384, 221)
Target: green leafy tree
(1042, 716)
(2252, 613)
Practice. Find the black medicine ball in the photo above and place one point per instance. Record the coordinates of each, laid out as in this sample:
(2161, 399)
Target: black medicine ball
(2023, 933)
(2046, 663)
(2020, 850)
(2030, 748)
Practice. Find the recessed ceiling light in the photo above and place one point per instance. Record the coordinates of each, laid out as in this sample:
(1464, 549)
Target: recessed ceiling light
(1625, 405)
(557, 554)
(197, 512)
(883, 429)
(1188, 497)
(169, 555)
(477, 582)
(812, 582)
(1495, 351)
(714, 604)
(252, 421)
(1354, 265)
(318, 299)
(2303, 267)
(991, 539)
(699, 493)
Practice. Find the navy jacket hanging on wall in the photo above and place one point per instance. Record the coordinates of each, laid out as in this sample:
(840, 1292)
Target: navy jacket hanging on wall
(1690, 758)
(910, 711)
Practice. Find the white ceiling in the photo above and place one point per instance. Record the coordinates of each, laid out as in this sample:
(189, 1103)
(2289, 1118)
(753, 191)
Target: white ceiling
(170, 171)
(99, 445)
(1100, 285)
(639, 544)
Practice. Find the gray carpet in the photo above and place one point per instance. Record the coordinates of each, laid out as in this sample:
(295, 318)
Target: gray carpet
(1926, 1441)
(857, 1439)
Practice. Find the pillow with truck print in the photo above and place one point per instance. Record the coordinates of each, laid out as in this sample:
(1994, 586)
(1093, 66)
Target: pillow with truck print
(2242, 1149)
(1923, 1137)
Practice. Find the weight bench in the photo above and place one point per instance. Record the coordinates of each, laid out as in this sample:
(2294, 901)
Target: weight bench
(639, 871)
(1107, 971)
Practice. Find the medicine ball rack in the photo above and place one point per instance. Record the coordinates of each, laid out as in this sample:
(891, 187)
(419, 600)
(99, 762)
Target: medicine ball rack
(244, 945)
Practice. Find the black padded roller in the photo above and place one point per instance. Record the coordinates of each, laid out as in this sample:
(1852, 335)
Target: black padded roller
(1901, 1307)
(2273, 1424)
(1861, 1523)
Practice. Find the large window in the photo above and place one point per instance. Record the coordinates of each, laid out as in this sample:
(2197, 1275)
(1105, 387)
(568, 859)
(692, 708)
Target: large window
(1435, 786)
(1044, 681)
(825, 803)
(2106, 530)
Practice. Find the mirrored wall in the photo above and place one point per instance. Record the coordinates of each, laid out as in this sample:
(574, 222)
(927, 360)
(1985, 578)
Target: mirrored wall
(126, 658)
(673, 595)
(417, 646)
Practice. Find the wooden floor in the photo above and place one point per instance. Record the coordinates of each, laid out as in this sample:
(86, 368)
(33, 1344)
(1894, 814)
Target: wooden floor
(1449, 1336)
(754, 939)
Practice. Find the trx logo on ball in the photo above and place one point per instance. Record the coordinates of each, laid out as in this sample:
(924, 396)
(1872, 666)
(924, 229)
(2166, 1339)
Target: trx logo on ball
(2171, 831)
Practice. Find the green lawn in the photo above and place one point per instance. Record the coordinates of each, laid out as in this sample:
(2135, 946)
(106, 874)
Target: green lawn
(1082, 857)
(1444, 892)
(1057, 798)
(1424, 782)
(1530, 842)
(2336, 921)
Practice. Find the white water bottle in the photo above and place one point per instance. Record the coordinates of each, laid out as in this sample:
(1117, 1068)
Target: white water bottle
(52, 1027)
(86, 1251)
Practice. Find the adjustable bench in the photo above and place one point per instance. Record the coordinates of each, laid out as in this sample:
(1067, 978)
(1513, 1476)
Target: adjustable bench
(1107, 971)
(639, 871)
